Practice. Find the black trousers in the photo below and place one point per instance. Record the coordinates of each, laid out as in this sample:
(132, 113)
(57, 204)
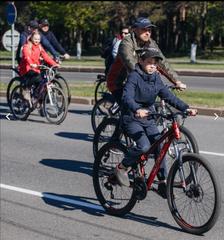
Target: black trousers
(118, 95)
(32, 78)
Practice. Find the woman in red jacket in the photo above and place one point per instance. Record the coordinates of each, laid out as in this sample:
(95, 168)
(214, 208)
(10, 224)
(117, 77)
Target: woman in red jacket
(32, 52)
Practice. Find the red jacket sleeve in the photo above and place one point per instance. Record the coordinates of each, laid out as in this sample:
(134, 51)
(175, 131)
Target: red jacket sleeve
(47, 58)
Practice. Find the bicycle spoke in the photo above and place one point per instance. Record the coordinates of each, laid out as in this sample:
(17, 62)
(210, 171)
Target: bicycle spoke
(195, 208)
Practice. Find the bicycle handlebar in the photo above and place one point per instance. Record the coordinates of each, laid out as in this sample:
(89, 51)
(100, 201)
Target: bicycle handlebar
(50, 71)
(46, 67)
(171, 115)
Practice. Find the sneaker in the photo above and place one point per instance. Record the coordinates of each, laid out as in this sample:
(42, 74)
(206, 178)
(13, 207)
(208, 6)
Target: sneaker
(162, 190)
(122, 175)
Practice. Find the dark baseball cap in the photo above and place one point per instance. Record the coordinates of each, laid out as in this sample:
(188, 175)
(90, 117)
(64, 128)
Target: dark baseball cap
(33, 24)
(142, 22)
(44, 22)
(150, 52)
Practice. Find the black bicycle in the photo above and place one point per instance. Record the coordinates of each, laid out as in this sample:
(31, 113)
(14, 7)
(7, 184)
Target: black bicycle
(100, 88)
(58, 80)
(47, 95)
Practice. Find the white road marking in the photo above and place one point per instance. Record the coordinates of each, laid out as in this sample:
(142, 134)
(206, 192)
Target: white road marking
(209, 153)
(212, 153)
(51, 196)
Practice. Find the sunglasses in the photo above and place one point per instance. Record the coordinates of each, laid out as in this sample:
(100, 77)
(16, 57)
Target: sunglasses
(125, 33)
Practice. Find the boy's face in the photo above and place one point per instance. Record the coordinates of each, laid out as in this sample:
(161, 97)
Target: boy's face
(149, 64)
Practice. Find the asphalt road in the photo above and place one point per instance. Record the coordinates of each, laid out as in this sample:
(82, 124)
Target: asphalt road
(212, 84)
(47, 191)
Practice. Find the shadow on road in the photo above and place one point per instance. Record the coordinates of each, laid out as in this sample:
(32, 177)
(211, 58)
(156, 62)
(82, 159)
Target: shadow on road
(4, 111)
(69, 165)
(77, 136)
(70, 203)
(82, 112)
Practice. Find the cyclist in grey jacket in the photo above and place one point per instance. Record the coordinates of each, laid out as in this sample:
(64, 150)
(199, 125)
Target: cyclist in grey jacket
(127, 57)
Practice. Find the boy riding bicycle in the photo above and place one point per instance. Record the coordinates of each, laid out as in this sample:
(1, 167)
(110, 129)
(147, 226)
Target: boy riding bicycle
(140, 91)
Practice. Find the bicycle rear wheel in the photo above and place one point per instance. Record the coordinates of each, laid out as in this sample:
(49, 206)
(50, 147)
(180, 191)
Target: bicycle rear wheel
(197, 208)
(56, 108)
(18, 105)
(64, 86)
(16, 81)
(115, 199)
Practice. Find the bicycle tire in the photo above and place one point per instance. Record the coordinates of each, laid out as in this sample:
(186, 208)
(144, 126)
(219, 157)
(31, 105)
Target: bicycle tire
(186, 132)
(102, 136)
(100, 88)
(195, 192)
(52, 117)
(66, 87)
(111, 205)
(17, 101)
(9, 88)
(100, 109)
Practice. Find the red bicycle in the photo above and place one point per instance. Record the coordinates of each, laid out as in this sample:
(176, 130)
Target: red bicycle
(193, 190)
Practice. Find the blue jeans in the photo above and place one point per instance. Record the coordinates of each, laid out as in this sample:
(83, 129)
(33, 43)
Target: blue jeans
(144, 136)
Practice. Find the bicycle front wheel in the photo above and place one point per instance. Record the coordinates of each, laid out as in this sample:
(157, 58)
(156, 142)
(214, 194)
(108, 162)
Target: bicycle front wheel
(55, 105)
(101, 88)
(195, 208)
(108, 130)
(100, 112)
(116, 200)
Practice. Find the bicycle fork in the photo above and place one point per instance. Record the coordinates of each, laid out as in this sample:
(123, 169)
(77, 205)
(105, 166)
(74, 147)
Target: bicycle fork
(49, 91)
(192, 174)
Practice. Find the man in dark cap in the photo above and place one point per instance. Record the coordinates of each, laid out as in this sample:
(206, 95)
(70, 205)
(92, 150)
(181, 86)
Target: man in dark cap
(44, 29)
(127, 57)
(33, 26)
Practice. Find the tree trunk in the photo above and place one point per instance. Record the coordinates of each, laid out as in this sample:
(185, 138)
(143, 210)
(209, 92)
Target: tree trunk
(79, 44)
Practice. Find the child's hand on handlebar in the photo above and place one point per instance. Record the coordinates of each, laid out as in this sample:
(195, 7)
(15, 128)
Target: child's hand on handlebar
(192, 112)
(57, 65)
(33, 65)
(142, 113)
(66, 56)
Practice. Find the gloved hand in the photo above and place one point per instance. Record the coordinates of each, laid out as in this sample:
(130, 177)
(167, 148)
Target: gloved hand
(181, 86)
(66, 56)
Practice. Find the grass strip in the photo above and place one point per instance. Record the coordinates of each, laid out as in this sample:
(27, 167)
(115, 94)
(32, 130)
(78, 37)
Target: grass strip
(193, 98)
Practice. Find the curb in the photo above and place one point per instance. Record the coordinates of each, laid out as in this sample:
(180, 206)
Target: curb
(90, 101)
(210, 73)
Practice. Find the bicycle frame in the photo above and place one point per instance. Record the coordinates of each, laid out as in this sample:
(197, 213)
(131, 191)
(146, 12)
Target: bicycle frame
(168, 137)
(46, 85)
